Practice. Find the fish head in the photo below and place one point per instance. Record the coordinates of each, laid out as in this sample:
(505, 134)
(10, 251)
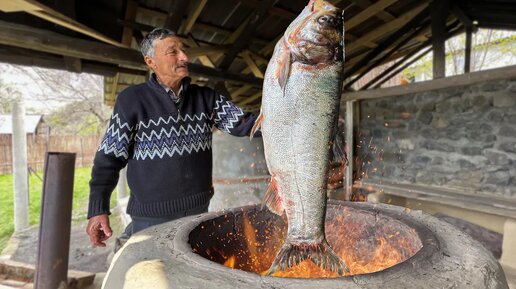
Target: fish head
(316, 35)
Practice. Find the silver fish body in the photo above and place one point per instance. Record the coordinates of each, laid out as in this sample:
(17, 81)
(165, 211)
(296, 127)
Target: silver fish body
(300, 104)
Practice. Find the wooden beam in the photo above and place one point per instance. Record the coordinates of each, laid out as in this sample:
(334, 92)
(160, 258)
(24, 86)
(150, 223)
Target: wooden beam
(72, 64)
(467, 50)
(461, 15)
(402, 67)
(251, 64)
(384, 15)
(241, 90)
(130, 15)
(387, 28)
(243, 41)
(54, 43)
(508, 72)
(401, 38)
(388, 42)
(175, 15)
(21, 56)
(194, 52)
(188, 24)
(275, 11)
(205, 60)
(250, 99)
(39, 10)
(369, 12)
(394, 66)
(439, 10)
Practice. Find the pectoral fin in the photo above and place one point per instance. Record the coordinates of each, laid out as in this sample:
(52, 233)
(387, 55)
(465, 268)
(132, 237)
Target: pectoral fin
(273, 199)
(257, 125)
(283, 69)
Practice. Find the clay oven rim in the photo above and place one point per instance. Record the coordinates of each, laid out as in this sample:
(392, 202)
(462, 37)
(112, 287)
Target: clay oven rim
(429, 241)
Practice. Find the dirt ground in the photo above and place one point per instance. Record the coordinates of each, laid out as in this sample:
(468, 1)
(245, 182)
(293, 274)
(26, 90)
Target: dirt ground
(82, 256)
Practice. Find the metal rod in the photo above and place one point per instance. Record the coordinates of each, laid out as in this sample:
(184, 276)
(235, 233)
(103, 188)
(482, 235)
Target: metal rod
(349, 146)
(55, 221)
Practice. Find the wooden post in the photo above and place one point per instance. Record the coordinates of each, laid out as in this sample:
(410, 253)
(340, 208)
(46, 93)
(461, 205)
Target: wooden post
(20, 176)
(349, 145)
(439, 11)
(467, 51)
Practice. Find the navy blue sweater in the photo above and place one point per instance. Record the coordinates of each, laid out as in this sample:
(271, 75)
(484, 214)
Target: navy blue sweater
(166, 147)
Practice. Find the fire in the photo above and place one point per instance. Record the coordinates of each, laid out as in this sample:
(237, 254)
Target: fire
(365, 241)
(230, 262)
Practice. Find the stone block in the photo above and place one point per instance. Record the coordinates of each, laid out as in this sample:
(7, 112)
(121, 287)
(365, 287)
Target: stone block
(510, 118)
(466, 165)
(471, 151)
(438, 146)
(493, 86)
(509, 131)
(498, 178)
(509, 147)
(425, 117)
(495, 116)
(505, 99)
(495, 157)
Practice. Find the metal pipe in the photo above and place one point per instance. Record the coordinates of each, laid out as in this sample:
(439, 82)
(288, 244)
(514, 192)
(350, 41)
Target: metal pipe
(349, 145)
(55, 221)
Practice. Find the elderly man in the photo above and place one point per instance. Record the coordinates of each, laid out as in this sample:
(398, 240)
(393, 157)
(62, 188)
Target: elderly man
(162, 131)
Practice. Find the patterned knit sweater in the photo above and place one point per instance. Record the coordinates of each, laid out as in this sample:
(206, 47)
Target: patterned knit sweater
(166, 147)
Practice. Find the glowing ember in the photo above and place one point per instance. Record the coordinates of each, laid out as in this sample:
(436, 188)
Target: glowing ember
(365, 240)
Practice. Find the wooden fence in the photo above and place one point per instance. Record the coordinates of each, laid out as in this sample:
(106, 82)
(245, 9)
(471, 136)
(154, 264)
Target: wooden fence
(83, 146)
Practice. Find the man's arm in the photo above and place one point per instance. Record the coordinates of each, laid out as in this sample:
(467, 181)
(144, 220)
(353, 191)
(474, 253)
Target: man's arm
(111, 157)
(232, 119)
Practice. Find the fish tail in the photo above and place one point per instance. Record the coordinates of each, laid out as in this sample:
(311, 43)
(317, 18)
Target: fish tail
(321, 254)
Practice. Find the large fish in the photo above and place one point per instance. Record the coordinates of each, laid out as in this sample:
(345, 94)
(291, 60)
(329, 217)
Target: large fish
(300, 104)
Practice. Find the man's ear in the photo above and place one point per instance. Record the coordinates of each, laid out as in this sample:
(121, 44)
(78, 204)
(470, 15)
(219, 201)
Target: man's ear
(149, 61)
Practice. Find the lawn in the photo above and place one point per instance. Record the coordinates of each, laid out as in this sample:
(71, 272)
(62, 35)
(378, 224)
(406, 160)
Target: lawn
(80, 201)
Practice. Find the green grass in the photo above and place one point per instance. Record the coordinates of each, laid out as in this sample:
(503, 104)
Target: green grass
(80, 201)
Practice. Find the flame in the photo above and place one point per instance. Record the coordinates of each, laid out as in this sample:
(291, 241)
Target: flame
(363, 248)
(230, 262)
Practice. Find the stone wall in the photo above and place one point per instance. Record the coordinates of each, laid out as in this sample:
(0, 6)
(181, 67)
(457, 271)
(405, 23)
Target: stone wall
(460, 137)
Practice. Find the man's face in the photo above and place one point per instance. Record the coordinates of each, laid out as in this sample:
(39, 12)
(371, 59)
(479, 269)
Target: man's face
(170, 62)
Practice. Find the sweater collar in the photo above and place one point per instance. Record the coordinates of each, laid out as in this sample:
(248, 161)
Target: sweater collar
(153, 81)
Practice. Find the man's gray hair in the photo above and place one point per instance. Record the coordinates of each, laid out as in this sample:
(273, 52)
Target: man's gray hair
(147, 45)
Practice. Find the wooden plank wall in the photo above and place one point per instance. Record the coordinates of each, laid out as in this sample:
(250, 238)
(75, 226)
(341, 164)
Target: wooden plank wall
(84, 147)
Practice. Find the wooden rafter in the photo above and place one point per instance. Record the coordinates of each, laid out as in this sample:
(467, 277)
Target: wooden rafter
(369, 12)
(46, 41)
(175, 15)
(393, 44)
(250, 99)
(386, 28)
(251, 64)
(204, 59)
(393, 38)
(242, 42)
(188, 24)
(384, 15)
(39, 10)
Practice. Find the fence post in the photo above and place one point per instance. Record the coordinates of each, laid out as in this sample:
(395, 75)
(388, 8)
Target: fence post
(20, 176)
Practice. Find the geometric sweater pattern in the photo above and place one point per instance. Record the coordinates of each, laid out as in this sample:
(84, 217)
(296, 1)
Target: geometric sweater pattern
(165, 146)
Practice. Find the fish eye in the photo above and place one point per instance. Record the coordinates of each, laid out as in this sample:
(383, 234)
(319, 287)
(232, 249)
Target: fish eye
(327, 20)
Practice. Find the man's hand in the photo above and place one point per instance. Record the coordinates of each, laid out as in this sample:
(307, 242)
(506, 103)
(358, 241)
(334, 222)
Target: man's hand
(99, 230)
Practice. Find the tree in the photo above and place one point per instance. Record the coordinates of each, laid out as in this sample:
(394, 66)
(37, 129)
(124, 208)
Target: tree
(7, 92)
(73, 102)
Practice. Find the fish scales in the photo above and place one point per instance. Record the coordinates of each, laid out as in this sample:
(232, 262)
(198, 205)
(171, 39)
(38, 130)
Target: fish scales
(300, 104)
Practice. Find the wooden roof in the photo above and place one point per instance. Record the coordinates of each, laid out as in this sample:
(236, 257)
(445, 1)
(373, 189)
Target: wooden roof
(230, 40)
